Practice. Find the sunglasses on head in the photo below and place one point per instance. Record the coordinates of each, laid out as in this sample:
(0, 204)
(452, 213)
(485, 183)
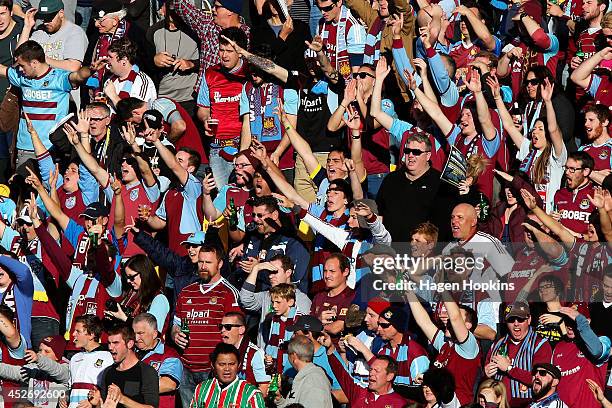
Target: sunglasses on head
(516, 319)
(385, 325)
(326, 8)
(363, 75)
(532, 82)
(228, 327)
(414, 152)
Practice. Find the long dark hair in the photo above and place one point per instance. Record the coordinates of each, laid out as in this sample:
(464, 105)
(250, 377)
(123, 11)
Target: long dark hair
(541, 163)
(150, 284)
(541, 72)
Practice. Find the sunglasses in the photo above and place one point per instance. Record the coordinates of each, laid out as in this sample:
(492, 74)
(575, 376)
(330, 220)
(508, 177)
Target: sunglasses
(131, 278)
(241, 165)
(129, 160)
(532, 82)
(98, 119)
(363, 75)
(516, 319)
(540, 372)
(326, 8)
(385, 325)
(228, 327)
(188, 246)
(415, 152)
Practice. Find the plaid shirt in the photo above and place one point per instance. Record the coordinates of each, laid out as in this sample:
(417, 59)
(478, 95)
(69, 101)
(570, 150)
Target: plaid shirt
(203, 24)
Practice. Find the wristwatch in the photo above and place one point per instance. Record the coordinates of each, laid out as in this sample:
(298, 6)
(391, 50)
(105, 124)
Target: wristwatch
(510, 367)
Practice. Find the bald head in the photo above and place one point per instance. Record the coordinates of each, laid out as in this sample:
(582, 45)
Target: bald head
(463, 222)
(429, 13)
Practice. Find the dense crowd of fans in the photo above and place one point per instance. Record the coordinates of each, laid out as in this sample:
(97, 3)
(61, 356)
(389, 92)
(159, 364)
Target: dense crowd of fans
(296, 203)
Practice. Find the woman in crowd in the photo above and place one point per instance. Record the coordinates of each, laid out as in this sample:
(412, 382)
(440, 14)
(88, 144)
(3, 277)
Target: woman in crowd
(143, 294)
(541, 151)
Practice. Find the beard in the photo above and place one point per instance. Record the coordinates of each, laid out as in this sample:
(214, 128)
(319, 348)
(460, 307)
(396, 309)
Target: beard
(544, 389)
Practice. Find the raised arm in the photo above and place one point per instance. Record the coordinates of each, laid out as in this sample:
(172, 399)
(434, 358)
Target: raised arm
(431, 107)
(336, 121)
(478, 26)
(515, 134)
(72, 133)
(9, 331)
(264, 64)
(259, 151)
(382, 70)
(128, 133)
(152, 136)
(553, 129)
(484, 116)
(328, 70)
(357, 171)
(454, 316)
(52, 206)
(300, 145)
(601, 200)
(421, 316)
(555, 227)
(582, 75)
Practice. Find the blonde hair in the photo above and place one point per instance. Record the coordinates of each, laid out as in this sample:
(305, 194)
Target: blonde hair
(476, 164)
(498, 388)
(283, 290)
(606, 22)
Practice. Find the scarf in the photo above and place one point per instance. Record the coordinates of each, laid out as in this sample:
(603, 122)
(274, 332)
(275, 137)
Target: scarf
(372, 45)
(101, 50)
(262, 102)
(341, 58)
(279, 335)
(523, 360)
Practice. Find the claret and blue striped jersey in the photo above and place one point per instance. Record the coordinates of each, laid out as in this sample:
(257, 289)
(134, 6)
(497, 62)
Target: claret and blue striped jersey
(45, 100)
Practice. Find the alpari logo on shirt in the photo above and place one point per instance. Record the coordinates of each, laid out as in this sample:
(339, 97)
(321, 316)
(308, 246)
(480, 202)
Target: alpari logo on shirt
(218, 98)
(198, 314)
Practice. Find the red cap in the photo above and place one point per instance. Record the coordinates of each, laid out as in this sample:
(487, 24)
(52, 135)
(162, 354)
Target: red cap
(378, 304)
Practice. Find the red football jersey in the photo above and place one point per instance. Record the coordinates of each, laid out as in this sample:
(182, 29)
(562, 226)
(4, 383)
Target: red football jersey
(204, 305)
(575, 207)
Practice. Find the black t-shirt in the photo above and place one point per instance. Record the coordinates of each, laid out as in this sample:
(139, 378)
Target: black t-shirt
(139, 383)
(314, 113)
(7, 48)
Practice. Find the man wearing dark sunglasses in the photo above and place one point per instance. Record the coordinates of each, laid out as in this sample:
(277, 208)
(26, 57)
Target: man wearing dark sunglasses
(545, 380)
(251, 365)
(512, 357)
(343, 36)
(410, 356)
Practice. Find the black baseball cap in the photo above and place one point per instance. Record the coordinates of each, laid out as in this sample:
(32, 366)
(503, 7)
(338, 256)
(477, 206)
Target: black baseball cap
(307, 323)
(154, 119)
(95, 210)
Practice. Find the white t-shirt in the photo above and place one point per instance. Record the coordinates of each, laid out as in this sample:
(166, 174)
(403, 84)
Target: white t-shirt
(554, 172)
